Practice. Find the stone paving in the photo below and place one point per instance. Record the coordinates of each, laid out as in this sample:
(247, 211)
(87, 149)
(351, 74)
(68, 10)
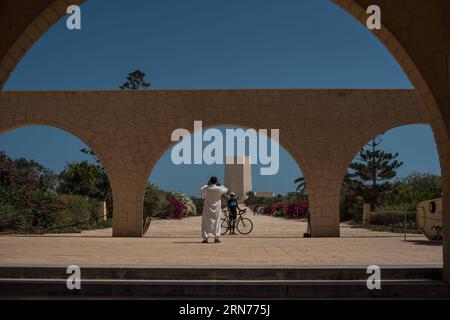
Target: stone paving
(264, 227)
(275, 242)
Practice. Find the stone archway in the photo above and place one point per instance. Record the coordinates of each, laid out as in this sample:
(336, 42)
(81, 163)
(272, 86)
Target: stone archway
(417, 34)
(370, 135)
(129, 130)
(182, 178)
(74, 132)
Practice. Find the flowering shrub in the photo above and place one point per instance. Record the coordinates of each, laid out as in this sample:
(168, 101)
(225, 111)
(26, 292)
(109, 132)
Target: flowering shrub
(297, 210)
(278, 209)
(179, 207)
(40, 211)
(291, 206)
(191, 210)
(159, 203)
(156, 202)
(290, 210)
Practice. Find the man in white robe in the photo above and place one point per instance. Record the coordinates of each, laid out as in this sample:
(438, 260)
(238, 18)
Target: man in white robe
(212, 207)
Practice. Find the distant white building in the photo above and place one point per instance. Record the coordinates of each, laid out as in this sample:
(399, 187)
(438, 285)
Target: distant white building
(265, 194)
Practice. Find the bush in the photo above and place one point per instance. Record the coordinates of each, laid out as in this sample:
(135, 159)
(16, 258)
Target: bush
(297, 210)
(198, 202)
(178, 208)
(395, 220)
(290, 210)
(15, 219)
(293, 206)
(41, 211)
(155, 202)
(77, 213)
(190, 210)
(163, 204)
(412, 190)
(407, 194)
(392, 218)
(254, 202)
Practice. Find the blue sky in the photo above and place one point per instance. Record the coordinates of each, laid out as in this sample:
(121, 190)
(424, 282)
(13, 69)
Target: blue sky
(204, 44)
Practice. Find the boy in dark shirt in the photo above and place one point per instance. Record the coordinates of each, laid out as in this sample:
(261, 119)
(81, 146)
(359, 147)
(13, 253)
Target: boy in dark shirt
(233, 207)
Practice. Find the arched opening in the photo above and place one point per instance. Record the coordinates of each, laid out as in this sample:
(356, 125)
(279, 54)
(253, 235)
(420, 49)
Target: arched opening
(51, 183)
(277, 201)
(387, 181)
(416, 77)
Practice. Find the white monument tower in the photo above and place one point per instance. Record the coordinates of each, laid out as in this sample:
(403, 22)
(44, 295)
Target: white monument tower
(238, 177)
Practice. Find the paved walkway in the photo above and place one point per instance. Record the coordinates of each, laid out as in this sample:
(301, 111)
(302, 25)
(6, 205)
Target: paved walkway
(264, 227)
(275, 242)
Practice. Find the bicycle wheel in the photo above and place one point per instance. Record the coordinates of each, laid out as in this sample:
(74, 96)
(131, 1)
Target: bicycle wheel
(224, 226)
(244, 226)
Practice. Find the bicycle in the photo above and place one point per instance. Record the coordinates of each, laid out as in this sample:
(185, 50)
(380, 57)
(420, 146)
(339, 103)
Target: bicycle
(243, 225)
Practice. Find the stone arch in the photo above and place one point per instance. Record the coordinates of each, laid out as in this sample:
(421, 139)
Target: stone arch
(438, 121)
(368, 139)
(66, 128)
(367, 136)
(61, 126)
(108, 165)
(35, 18)
(212, 124)
(408, 65)
(28, 21)
(243, 123)
(41, 17)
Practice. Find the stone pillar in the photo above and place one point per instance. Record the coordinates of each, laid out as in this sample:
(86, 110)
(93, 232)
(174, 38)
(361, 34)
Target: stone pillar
(128, 200)
(446, 235)
(446, 222)
(367, 214)
(324, 203)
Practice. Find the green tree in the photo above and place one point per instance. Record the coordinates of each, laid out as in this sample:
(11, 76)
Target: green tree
(105, 185)
(372, 172)
(84, 179)
(135, 81)
(413, 189)
(155, 202)
(351, 203)
(25, 174)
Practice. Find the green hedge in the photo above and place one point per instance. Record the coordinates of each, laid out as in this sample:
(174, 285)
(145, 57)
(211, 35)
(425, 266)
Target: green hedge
(395, 220)
(41, 211)
(385, 218)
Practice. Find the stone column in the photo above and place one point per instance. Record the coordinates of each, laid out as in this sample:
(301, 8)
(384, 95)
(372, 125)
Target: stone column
(324, 200)
(128, 200)
(446, 235)
(446, 221)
